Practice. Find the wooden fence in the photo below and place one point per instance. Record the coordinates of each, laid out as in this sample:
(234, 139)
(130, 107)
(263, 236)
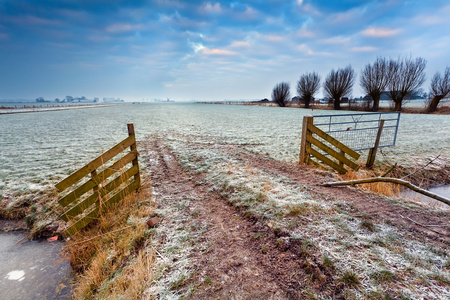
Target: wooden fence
(85, 201)
(312, 135)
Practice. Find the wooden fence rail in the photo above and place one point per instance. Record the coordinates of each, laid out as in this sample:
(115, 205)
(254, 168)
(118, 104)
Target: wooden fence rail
(312, 135)
(84, 202)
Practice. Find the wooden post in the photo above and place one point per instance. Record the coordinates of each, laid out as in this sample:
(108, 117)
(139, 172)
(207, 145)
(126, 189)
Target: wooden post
(340, 162)
(373, 151)
(95, 189)
(306, 137)
(134, 148)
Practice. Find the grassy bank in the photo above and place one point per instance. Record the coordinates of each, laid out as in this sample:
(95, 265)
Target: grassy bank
(112, 258)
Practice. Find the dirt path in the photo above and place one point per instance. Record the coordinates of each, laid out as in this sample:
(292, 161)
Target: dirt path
(239, 257)
(242, 261)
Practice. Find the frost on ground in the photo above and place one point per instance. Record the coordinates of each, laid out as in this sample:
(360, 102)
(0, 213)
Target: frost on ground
(51, 149)
(371, 258)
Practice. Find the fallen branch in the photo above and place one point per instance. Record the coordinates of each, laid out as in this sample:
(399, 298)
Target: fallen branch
(392, 180)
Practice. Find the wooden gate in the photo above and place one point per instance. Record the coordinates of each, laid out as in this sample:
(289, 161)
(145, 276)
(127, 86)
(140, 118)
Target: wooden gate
(312, 135)
(85, 201)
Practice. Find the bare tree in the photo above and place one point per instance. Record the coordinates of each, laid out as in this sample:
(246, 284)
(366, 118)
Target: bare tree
(374, 80)
(339, 84)
(281, 93)
(307, 86)
(439, 89)
(405, 76)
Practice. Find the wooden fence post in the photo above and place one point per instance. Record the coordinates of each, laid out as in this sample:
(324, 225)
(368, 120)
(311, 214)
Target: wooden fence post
(133, 148)
(306, 137)
(98, 193)
(373, 151)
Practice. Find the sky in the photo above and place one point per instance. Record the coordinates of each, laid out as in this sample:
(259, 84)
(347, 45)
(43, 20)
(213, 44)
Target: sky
(205, 50)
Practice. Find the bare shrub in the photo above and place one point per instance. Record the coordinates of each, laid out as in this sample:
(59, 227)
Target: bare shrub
(307, 86)
(339, 84)
(374, 79)
(405, 76)
(281, 93)
(439, 89)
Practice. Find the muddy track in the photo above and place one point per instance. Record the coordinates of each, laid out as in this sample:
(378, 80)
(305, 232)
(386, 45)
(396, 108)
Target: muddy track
(420, 221)
(248, 260)
(245, 259)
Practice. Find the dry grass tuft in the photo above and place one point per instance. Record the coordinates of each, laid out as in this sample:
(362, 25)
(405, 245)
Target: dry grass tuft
(110, 256)
(384, 188)
(350, 278)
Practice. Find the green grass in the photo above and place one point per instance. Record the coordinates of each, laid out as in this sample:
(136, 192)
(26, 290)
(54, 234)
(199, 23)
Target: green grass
(350, 278)
(382, 276)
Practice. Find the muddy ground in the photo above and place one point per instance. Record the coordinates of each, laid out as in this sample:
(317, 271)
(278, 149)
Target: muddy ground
(248, 258)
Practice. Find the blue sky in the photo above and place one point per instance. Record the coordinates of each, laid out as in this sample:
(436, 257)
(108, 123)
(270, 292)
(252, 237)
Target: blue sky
(205, 50)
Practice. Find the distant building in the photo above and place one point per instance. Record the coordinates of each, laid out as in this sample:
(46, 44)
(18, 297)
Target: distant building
(113, 100)
(296, 99)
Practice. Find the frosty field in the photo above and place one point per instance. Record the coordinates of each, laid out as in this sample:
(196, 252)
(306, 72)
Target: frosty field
(38, 149)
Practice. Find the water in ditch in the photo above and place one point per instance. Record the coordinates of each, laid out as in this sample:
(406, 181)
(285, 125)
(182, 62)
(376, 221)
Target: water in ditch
(32, 269)
(443, 191)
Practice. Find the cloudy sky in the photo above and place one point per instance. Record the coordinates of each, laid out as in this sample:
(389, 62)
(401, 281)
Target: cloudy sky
(205, 50)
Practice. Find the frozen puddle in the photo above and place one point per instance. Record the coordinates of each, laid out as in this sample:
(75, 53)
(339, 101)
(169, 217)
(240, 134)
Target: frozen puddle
(32, 269)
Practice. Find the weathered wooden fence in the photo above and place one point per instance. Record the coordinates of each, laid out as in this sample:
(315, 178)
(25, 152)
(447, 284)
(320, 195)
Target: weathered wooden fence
(87, 197)
(312, 135)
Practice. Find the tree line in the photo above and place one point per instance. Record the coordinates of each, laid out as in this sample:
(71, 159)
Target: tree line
(398, 78)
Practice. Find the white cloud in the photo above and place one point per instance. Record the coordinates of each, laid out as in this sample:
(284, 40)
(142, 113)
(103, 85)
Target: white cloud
(217, 52)
(429, 20)
(351, 15)
(364, 49)
(250, 13)
(273, 38)
(305, 33)
(32, 20)
(237, 44)
(304, 48)
(337, 40)
(310, 9)
(197, 47)
(122, 27)
(211, 8)
(440, 16)
(380, 32)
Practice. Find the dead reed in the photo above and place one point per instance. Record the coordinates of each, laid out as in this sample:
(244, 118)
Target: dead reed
(110, 256)
(384, 188)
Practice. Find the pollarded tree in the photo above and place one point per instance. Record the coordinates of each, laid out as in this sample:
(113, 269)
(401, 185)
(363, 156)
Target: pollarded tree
(374, 80)
(405, 77)
(339, 84)
(281, 93)
(439, 89)
(307, 86)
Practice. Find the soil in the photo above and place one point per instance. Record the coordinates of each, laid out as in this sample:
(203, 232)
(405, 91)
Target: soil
(249, 260)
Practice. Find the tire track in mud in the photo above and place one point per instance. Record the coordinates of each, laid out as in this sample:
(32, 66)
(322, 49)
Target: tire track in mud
(422, 222)
(239, 258)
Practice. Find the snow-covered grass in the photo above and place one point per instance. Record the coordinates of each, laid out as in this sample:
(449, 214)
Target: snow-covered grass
(371, 258)
(38, 149)
(173, 243)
